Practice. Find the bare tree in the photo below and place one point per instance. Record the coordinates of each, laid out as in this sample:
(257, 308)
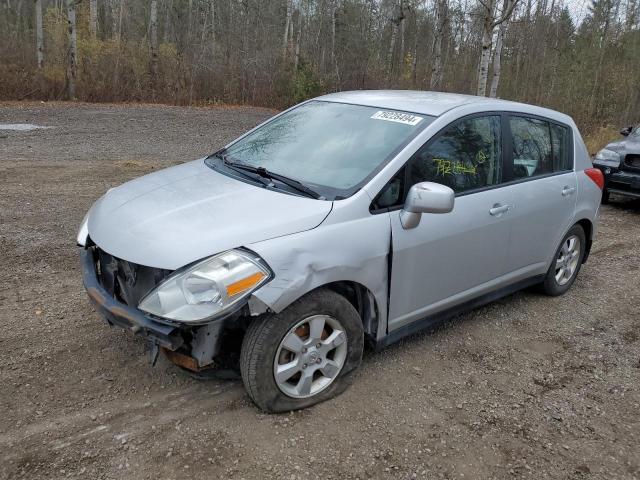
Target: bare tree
(491, 19)
(153, 34)
(114, 7)
(287, 23)
(213, 26)
(39, 36)
(436, 52)
(72, 54)
(93, 18)
(298, 37)
(398, 15)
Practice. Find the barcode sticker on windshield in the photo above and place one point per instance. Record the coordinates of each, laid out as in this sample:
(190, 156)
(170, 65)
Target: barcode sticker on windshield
(398, 117)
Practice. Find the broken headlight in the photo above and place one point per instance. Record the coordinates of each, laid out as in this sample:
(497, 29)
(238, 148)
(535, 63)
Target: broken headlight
(205, 289)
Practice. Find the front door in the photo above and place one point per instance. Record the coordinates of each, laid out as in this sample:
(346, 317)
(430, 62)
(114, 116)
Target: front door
(450, 258)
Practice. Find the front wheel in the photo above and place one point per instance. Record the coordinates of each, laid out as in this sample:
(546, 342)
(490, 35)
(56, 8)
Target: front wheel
(303, 355)
(566, 264)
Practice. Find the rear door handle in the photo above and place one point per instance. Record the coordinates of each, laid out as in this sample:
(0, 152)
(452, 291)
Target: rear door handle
(498, 209)
(567, 190)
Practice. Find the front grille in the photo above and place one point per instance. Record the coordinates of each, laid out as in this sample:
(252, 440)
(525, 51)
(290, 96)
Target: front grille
(632, 162)
(127, 282)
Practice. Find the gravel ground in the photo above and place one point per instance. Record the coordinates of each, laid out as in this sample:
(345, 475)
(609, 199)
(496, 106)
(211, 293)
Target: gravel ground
(527, 387)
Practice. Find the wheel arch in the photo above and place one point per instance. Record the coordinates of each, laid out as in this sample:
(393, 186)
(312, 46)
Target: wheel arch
(363, 300)
(587, 226)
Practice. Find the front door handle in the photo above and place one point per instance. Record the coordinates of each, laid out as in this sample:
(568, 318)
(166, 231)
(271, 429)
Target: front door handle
(567, 190)
(498, 209)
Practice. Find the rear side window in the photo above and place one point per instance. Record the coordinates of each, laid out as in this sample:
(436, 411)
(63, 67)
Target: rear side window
(561, 148)
(539, 147)
(465, 156)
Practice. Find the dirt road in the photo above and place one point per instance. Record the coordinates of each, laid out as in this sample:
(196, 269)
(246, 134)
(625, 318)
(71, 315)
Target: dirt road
(527, 387)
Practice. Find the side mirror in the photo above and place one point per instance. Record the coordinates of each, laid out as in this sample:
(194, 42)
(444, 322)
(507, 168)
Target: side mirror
(626, 131)
(425, 197)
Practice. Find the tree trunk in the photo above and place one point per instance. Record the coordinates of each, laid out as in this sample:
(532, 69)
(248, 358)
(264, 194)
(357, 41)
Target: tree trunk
(39, 36)
(166, 35)
(285, 39)
(153, 33)
(213, 27)
(298, 37)
(72, 57)
(485, 56)
(497, 62)
(114, 19)
(93, 18)
(489, 23)
(333, 35)
(438, 66)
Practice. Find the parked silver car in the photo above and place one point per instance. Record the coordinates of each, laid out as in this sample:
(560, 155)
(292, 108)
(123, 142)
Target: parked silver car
(353, 218)
(620, 163)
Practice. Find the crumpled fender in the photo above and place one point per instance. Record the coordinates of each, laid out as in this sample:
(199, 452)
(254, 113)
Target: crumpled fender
(355, 251)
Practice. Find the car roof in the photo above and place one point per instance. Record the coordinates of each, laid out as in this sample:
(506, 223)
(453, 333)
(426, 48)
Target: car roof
(434, 103)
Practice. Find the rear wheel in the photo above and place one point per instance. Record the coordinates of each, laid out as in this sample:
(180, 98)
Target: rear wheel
(566, 264)
(303, 355)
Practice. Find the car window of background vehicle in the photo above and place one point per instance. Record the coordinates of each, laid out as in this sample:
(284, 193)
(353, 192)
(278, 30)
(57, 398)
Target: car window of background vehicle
(466, 156)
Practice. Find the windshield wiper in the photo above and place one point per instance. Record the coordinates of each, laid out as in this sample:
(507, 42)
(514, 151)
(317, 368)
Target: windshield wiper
(238, 168)
(264, 173)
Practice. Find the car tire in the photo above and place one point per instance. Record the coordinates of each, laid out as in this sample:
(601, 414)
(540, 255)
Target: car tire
(293, 338)
(566, 263)
(605, 196)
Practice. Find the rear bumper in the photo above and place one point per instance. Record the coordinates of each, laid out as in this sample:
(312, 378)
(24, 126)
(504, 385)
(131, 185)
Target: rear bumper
(124, 316)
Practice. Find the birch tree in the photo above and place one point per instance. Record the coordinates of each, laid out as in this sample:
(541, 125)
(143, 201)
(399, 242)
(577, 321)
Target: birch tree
(72, 54)
(39, 36)
(497, 61)
(491, 19)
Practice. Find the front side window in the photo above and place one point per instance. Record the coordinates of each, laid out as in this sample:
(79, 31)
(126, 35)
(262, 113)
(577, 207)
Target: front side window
(635, 134)
(465, 156)
(331, 147)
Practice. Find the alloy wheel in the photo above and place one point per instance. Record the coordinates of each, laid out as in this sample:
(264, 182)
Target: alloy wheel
(310, 356)
(567, 260)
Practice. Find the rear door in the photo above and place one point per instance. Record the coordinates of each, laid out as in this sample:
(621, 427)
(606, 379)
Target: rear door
(542, 187)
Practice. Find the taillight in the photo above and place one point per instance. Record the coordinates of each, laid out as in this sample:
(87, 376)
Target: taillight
(595, 174)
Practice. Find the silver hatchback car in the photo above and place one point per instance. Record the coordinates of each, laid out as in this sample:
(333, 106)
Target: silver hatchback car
(353, 218)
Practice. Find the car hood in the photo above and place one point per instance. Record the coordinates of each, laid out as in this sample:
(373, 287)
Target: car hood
(625, 146)
(173, 217)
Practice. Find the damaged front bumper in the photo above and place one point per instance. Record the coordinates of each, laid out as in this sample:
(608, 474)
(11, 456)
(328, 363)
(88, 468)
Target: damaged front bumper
(118, 314)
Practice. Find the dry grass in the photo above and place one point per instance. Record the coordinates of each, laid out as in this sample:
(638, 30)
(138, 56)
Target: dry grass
(597, 139)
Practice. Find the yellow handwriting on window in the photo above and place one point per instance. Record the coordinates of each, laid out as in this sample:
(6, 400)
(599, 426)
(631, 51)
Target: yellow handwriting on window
(481, 157)
(443, 166)
(447, 167)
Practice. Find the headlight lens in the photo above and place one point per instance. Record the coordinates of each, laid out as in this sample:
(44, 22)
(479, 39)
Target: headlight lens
(207, 288)
(608, 157)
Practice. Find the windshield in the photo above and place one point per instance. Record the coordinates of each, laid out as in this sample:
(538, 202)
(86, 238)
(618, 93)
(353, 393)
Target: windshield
(333, 148)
